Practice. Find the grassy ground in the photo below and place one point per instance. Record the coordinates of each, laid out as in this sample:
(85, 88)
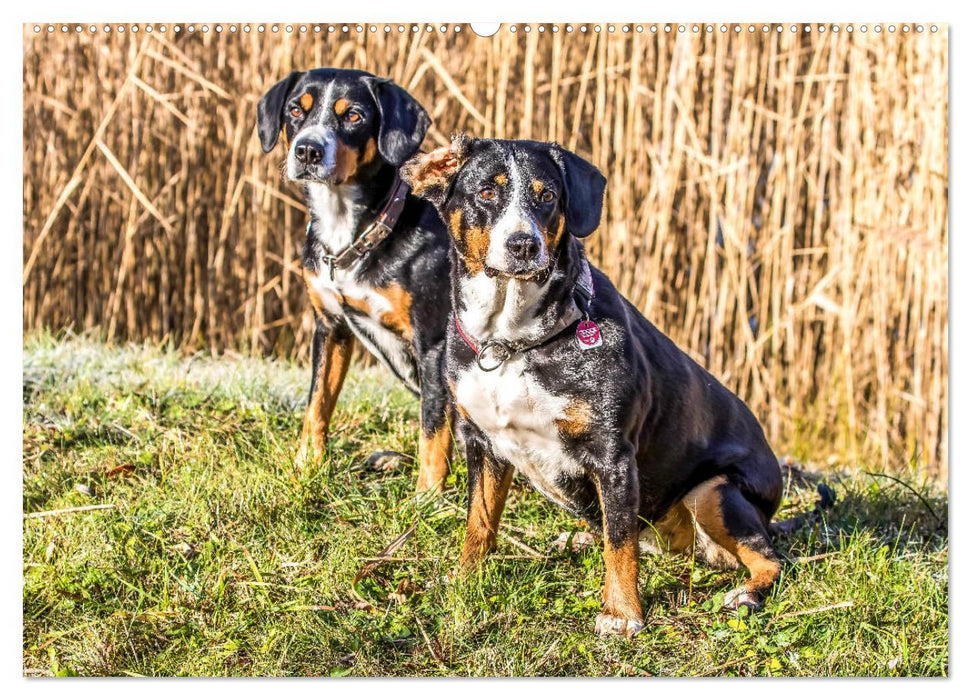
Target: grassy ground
(218, 557)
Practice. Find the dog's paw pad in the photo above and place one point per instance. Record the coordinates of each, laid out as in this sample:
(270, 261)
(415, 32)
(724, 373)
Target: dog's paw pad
(574, 541)
(742, 597)
(615, 626)
(386, 459)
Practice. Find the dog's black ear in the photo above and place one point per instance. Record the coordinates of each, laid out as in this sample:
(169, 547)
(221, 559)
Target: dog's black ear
(584, 186)
(269, 112)
(403, 121)
(430, 175)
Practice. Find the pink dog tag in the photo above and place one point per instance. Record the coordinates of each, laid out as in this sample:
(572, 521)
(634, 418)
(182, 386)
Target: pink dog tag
(588, 335)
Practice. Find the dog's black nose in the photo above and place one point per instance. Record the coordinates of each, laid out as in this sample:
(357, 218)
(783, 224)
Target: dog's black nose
(309, 152)
(523, 246)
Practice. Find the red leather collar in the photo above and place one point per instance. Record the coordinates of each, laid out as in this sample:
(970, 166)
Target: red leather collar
(583, 293)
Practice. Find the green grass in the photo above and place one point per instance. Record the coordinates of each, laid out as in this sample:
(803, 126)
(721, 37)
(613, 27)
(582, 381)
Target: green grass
(219, 557)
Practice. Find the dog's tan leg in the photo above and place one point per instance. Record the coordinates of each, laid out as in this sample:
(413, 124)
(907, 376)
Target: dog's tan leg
(331, 358)
(619, 497)
(434, 454)
(621, 612)
(488, 487)
(736, 527)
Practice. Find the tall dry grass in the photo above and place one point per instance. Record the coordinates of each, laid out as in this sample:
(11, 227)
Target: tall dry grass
(777, 202)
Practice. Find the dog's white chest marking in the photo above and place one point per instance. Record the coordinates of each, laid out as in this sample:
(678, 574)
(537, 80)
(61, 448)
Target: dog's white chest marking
(331, 206)
(504, 309)
(519, 418)
(337, 226)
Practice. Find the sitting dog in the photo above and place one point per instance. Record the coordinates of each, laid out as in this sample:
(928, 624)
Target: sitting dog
(554, 373)
(375, 259)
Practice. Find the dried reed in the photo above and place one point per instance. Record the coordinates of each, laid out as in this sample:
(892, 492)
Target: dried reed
(777, 201)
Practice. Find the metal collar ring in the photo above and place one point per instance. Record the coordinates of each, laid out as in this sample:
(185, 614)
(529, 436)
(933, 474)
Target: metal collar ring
(496, 345)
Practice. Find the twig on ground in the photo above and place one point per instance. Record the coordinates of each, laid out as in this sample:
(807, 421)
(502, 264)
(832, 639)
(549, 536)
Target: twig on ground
(546, 655)
(815, 557)
(384, 555)
(501, 557)
(503, 529)
(302, 608)
(428, 642)
(364, 603)
(525, 547)
(811, 611)
(63, 511)
(374, 562)
(722, 667)
(125, 431)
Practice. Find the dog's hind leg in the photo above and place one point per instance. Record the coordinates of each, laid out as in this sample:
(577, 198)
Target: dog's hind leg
(674, 532)
(332, 349)
(733, 531)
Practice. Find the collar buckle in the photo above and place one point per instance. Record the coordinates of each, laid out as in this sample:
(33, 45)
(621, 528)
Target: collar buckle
(373, 234)
(380, 229)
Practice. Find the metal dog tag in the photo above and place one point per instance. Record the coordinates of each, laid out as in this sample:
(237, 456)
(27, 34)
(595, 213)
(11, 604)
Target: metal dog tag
(588, 335)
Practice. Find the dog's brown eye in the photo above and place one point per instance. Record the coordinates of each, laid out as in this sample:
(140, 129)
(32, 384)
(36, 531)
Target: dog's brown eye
(295, 111)
(547, 196)
(353, 117)
(487, 193)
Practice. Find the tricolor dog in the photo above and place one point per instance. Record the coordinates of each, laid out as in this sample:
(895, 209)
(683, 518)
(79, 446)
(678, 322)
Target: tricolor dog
(557, 375)
(375, 259)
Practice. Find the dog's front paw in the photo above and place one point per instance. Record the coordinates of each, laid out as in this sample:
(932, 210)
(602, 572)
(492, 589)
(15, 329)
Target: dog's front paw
(386, 460)
(307, 455)
(574, 541)
(742, 597)
(609, 625)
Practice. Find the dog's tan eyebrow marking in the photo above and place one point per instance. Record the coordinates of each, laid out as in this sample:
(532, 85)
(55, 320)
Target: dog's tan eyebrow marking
(341, 106)
(538, 186)
(306, 101)
(501, 179)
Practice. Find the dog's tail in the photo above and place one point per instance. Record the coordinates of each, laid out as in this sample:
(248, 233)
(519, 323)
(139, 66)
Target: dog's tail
(827, 497)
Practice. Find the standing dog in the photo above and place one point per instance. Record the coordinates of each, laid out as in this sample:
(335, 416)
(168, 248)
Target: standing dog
(375, 259)
(555, 374)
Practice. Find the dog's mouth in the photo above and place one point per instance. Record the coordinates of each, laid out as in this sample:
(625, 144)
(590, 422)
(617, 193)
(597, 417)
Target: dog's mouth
(532, 274)
(315, 175)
